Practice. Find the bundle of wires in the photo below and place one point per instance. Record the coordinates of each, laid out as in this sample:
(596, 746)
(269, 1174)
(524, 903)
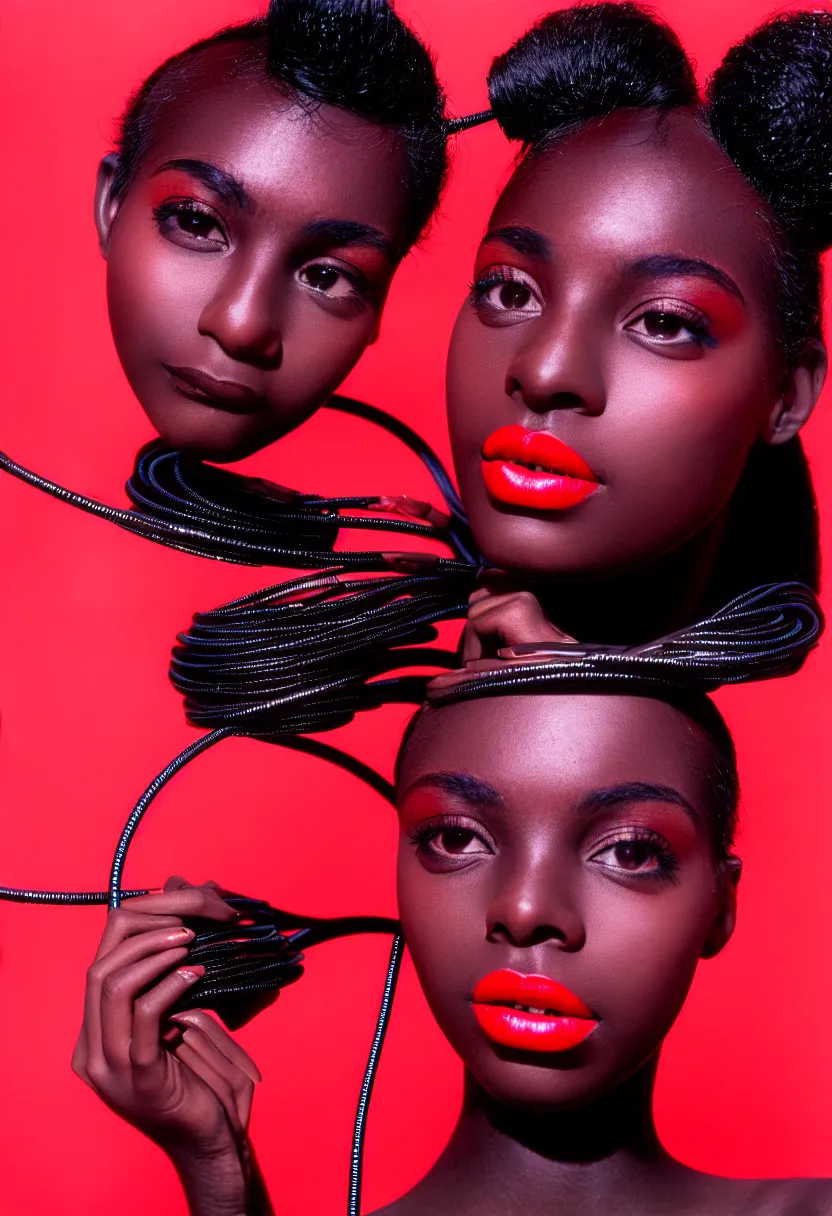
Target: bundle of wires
(198, 508)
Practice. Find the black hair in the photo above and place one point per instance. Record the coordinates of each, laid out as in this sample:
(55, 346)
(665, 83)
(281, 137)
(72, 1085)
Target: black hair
(719, 772)
(769, 106)
(354, 54)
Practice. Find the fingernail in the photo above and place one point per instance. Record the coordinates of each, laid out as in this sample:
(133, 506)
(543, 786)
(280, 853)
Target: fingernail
(181, 935)
(155, 890)
(190, 975)
(410, 563)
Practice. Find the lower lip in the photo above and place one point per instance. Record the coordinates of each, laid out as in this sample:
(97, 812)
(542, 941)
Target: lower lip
(532, 1031)
(226, 404)
(518, 486)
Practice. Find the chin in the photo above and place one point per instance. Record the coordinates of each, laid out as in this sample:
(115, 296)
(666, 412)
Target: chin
(220, 440)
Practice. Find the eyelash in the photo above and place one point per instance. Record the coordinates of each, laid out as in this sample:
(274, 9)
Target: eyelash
(169, 209)
(424, 834)
(694, 321)
(668, 863)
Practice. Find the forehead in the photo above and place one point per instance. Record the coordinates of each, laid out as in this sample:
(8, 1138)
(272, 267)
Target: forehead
(558, 748)
(635, 184)
(327, 161)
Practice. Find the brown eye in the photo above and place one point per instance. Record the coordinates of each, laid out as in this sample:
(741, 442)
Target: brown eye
(635, 855)
(458, 840)
(513, 296)
(195, 223)
(662, 325)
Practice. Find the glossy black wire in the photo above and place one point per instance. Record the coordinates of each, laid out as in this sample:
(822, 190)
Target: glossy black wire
(453, 126)
(201, 509)
(760, 635)
(359, 1130)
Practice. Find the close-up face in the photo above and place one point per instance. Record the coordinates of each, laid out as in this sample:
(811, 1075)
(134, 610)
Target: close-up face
(249, 260)
(621, 325)
(556, 895)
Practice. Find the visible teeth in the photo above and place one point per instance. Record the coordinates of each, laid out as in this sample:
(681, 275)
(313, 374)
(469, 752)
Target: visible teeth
(531, 1009)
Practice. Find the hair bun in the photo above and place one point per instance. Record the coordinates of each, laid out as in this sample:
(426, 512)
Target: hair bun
(770, 107)
(585, 62)
(330, 49)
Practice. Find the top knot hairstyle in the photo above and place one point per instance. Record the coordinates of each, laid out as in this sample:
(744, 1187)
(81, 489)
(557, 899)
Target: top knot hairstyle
(769, 106)
(354, 54)
(583, 63)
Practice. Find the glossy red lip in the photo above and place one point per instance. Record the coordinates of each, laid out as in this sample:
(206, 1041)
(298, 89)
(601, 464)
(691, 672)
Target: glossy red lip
(222, 394)
(534, 469)
(550, 1017)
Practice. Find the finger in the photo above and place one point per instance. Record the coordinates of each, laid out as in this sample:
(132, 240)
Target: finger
(240, 1084)
(127, 953)
(184, 902)
(146, 1040)
(219, 1036)
(186, 1054)
(119, 992)
(125, 922)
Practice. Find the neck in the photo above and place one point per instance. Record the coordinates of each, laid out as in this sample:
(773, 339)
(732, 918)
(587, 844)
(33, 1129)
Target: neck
(502, 1159)
(641, 605)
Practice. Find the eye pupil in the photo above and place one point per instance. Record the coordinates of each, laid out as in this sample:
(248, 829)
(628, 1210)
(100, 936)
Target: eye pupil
(455, 840)
(321, 277)
(196, 224)
(633, 854)
(662, 325)
(514, 295)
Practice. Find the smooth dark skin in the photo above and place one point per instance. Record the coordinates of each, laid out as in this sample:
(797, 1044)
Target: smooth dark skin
(526, 876)
(594, 349)
(251, 291)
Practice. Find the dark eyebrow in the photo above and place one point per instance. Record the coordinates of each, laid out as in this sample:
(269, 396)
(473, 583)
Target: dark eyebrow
(214, 178)
(350, 232)
(637, 791)
(667, 264)
(459, 785)
(528, 241)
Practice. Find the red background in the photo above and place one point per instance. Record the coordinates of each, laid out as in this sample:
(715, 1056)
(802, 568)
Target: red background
(88, 614)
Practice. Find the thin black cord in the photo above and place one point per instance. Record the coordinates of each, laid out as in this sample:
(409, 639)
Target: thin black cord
(359, 1130)
(190, 753)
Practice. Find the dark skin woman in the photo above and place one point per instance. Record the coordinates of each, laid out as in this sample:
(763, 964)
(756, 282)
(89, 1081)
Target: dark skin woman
(602, 874)
(556, 901)
(628, 346)
(252, 224)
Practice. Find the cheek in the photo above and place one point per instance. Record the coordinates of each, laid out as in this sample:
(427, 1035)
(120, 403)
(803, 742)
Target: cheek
(153, 294)
(476, 374)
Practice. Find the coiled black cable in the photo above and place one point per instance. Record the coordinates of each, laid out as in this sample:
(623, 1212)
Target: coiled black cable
(199, 508)
(760, 635)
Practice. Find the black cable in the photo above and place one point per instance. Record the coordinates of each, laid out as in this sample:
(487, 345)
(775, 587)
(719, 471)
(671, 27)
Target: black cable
(761, 635)
(454, 125)
(198, 508)
(359, 1130)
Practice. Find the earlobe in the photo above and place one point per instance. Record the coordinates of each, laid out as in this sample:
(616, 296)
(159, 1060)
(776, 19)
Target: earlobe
(725, 921)
(106, 207)
(801, 389)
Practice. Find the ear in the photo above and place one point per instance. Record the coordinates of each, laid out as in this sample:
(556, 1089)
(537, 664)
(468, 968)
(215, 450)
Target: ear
(106, 207)
(800, 391)
(725, 920)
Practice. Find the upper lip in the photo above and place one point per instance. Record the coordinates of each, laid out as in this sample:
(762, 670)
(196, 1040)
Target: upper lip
(228, 392)
(536, 448)
(536, 992)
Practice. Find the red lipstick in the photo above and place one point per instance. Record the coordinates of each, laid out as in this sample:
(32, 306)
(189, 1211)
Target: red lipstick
(535, 469)
(531, 1012)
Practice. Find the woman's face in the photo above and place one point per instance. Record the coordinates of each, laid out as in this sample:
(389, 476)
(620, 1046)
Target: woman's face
(620, 325)
(248, 263)
(563, 838)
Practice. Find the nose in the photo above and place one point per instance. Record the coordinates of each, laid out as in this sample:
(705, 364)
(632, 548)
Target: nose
(558, 365)
(533, 903)
(243, 314)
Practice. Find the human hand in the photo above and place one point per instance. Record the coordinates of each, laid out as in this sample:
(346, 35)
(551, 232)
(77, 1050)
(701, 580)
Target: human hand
(500, 615)
(181, 1080)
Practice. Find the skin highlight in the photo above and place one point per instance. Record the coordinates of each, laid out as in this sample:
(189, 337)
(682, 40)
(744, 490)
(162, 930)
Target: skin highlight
(623, 303)
(249, 260)
(593, 867)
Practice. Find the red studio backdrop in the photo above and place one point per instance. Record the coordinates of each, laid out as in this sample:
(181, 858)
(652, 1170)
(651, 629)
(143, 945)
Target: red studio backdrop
(87, 618)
